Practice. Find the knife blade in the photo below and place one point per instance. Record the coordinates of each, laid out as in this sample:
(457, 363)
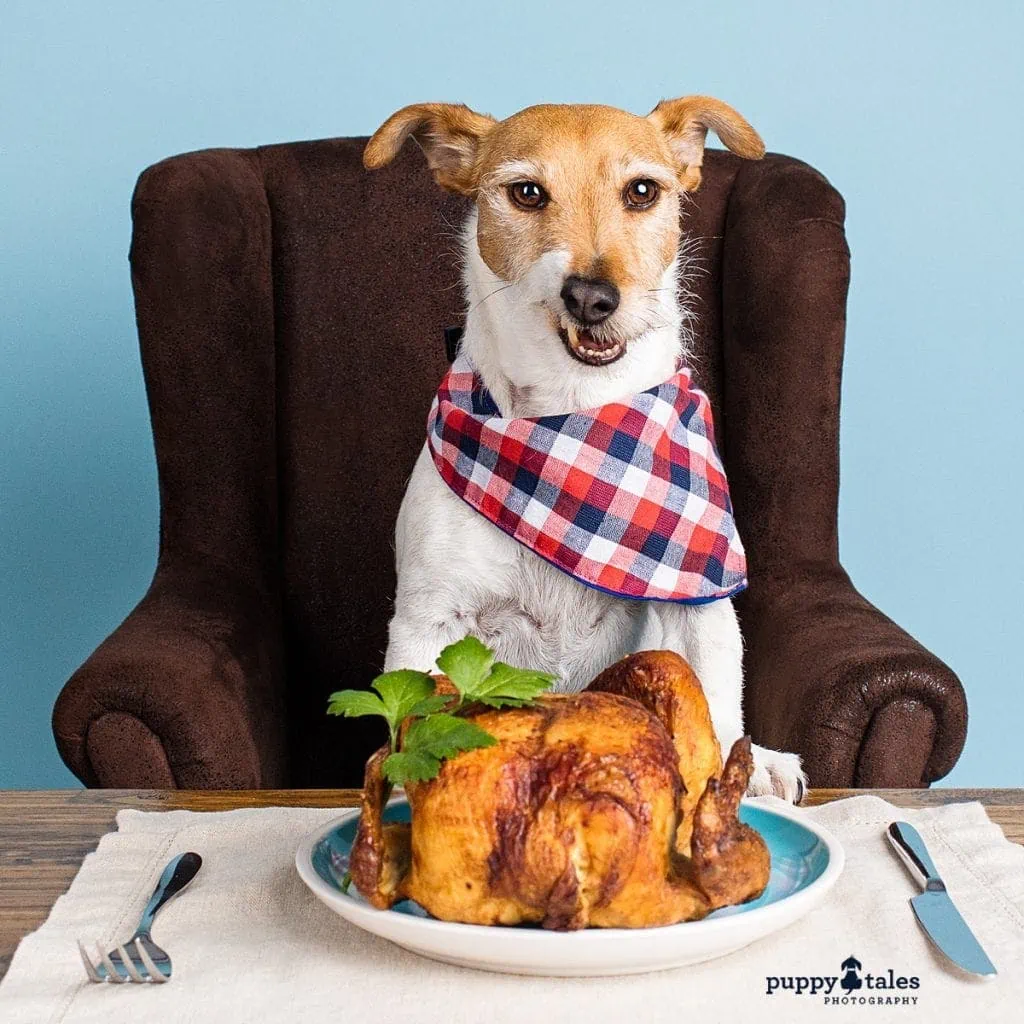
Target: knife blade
(934, 910)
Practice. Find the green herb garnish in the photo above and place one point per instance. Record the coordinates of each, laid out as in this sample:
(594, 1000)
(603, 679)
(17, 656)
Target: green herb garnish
(437, 732)
(477, 676)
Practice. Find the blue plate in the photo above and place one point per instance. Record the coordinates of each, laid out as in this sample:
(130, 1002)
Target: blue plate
(806, 861)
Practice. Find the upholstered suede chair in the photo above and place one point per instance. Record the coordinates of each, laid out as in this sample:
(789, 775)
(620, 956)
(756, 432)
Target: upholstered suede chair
(290, 310)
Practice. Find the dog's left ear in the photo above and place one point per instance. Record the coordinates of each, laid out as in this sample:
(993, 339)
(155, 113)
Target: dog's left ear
(685, 123)
(448, 133)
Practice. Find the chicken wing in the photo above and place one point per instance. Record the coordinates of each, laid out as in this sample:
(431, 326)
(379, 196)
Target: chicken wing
(666, 685)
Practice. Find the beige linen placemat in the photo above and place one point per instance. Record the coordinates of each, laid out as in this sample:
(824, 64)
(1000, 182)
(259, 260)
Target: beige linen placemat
(251, 944)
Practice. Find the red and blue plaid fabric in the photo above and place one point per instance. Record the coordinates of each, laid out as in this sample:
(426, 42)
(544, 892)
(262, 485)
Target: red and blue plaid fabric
(630, 498)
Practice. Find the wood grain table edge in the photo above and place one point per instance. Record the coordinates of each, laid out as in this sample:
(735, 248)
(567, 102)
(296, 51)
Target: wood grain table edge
(45, 834)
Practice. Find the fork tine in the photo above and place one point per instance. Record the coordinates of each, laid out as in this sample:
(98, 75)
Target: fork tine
(155, 974)
(129, 966)
(112, 972)
(87, 963)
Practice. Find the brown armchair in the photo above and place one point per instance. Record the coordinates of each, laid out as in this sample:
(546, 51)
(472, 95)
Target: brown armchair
(290, 309)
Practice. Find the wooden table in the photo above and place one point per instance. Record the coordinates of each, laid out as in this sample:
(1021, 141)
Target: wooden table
(45, 834)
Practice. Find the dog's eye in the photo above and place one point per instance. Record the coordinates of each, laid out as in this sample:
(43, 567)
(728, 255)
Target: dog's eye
(528, 195)
(641, 193)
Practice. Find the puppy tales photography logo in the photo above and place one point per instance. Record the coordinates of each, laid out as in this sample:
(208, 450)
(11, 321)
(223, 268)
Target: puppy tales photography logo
(851, 987)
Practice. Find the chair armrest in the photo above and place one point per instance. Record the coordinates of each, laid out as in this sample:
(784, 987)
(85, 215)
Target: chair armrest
(832, 678)
(828, 675)
(188, 690)
(187, 693)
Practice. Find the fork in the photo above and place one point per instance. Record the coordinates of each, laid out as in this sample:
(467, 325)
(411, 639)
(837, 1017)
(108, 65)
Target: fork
(140, 959)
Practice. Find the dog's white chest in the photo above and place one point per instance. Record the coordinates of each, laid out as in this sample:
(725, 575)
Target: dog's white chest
(461, 574)
(544, 614)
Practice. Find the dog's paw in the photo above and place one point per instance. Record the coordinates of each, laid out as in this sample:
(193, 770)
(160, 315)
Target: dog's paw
(777, 774)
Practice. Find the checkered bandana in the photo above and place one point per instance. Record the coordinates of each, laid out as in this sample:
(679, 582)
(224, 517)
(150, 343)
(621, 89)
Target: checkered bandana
(630, 497)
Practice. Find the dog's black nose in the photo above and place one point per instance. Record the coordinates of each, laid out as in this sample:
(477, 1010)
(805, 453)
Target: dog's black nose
(590, 300)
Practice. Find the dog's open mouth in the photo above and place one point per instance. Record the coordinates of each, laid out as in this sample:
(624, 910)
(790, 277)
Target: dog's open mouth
(583, 346)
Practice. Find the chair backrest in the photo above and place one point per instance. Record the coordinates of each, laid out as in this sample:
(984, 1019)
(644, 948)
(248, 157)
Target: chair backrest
(328, 288)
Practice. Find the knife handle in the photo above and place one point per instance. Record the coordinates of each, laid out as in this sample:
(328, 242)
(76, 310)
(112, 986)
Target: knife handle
(907, 842)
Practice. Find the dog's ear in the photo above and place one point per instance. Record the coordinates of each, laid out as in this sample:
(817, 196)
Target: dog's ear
(448, 133)
(685, 123)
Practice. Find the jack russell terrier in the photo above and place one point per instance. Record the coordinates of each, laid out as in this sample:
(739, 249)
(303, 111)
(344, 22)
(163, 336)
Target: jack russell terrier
(568, 425)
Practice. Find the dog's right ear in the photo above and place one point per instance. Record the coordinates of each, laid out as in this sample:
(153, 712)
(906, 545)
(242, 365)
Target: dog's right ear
(448, 133)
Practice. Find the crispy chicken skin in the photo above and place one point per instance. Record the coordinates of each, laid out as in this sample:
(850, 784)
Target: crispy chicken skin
(666, 685)
(607, 808)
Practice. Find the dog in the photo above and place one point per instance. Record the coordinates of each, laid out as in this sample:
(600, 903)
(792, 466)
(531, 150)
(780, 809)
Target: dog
(571, 275)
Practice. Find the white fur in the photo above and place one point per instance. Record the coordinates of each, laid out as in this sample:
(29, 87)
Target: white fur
(458, 573)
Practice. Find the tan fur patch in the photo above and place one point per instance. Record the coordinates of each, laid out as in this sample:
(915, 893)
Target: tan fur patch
(584, 157)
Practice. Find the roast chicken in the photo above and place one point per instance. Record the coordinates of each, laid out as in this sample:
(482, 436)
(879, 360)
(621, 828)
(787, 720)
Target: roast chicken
(608, 808)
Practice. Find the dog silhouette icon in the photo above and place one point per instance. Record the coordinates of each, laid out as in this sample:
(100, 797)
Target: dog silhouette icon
(850, 980)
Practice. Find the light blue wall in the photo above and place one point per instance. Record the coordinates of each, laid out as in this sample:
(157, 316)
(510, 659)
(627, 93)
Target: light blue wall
(912, 109)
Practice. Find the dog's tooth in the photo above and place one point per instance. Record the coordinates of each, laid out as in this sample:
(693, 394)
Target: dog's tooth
(573, 334)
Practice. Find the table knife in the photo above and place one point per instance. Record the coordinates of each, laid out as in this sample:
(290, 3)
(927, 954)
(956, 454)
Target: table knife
(933, 908)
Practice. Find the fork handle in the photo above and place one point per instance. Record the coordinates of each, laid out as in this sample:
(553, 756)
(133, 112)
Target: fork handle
(176, 876)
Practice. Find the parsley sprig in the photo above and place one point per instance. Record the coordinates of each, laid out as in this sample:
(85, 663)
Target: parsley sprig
(437, 732)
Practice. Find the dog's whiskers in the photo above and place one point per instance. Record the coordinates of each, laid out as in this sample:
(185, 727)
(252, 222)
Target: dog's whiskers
(490, 295)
